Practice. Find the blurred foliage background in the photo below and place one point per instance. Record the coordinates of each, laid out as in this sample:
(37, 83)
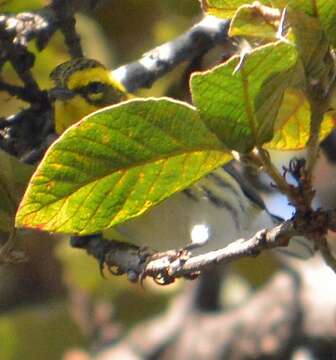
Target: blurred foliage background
(58, 301)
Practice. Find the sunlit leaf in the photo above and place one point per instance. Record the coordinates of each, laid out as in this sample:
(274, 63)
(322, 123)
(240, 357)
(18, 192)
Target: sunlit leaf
(292, 129)
(227, 8)
(118, 163)
(251, 23)
(241, 108)
(323, 10)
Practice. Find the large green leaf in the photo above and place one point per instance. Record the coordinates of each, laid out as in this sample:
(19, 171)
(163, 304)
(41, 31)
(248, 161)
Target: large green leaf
(293, 123)
(118, 163)
(241, 108)
(14, 177)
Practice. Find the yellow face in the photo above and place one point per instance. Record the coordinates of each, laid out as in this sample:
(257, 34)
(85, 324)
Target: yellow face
(69, 112)
(89, 87)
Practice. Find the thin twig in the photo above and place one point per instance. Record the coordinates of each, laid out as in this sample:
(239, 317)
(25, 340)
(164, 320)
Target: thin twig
(23, 93)
(18, 55)
(65, 12)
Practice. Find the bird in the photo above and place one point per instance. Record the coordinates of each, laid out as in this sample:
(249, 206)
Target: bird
(82, 86)
(216, 210)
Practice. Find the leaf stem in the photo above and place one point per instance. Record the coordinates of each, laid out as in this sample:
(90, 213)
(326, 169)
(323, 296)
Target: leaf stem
(313, 141)
(273, 172)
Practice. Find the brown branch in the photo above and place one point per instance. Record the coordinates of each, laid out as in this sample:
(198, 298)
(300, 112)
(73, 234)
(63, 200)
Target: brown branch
(180, 267)
(165, 267)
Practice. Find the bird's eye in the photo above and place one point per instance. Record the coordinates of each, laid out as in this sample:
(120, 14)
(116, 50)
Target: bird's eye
(95, 87)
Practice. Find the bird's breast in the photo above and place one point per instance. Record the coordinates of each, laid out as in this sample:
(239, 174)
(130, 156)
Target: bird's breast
(70, 112)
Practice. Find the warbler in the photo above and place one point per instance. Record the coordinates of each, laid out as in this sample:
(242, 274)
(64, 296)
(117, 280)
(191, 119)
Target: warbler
(215, 211)
(82, 86)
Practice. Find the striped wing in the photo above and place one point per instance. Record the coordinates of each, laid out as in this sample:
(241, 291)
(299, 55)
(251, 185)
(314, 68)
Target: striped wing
(216, 210)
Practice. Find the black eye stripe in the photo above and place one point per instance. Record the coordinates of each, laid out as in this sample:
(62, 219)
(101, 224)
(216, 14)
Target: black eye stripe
(94, 87)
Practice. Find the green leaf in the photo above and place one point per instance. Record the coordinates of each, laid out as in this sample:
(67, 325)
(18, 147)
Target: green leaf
(118, 163)
(222, 8)
(241, 108)
(323, 10)
(307, 6)
(14, 177)
(327, 15)
(251, 23)
(293, 123)
(227, 8)
(311, 43)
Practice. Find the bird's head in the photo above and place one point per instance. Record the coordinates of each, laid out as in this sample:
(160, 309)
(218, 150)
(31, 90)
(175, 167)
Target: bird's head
(81, 87)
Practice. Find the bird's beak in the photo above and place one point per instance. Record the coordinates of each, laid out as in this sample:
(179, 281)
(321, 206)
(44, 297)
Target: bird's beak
(58, 93)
